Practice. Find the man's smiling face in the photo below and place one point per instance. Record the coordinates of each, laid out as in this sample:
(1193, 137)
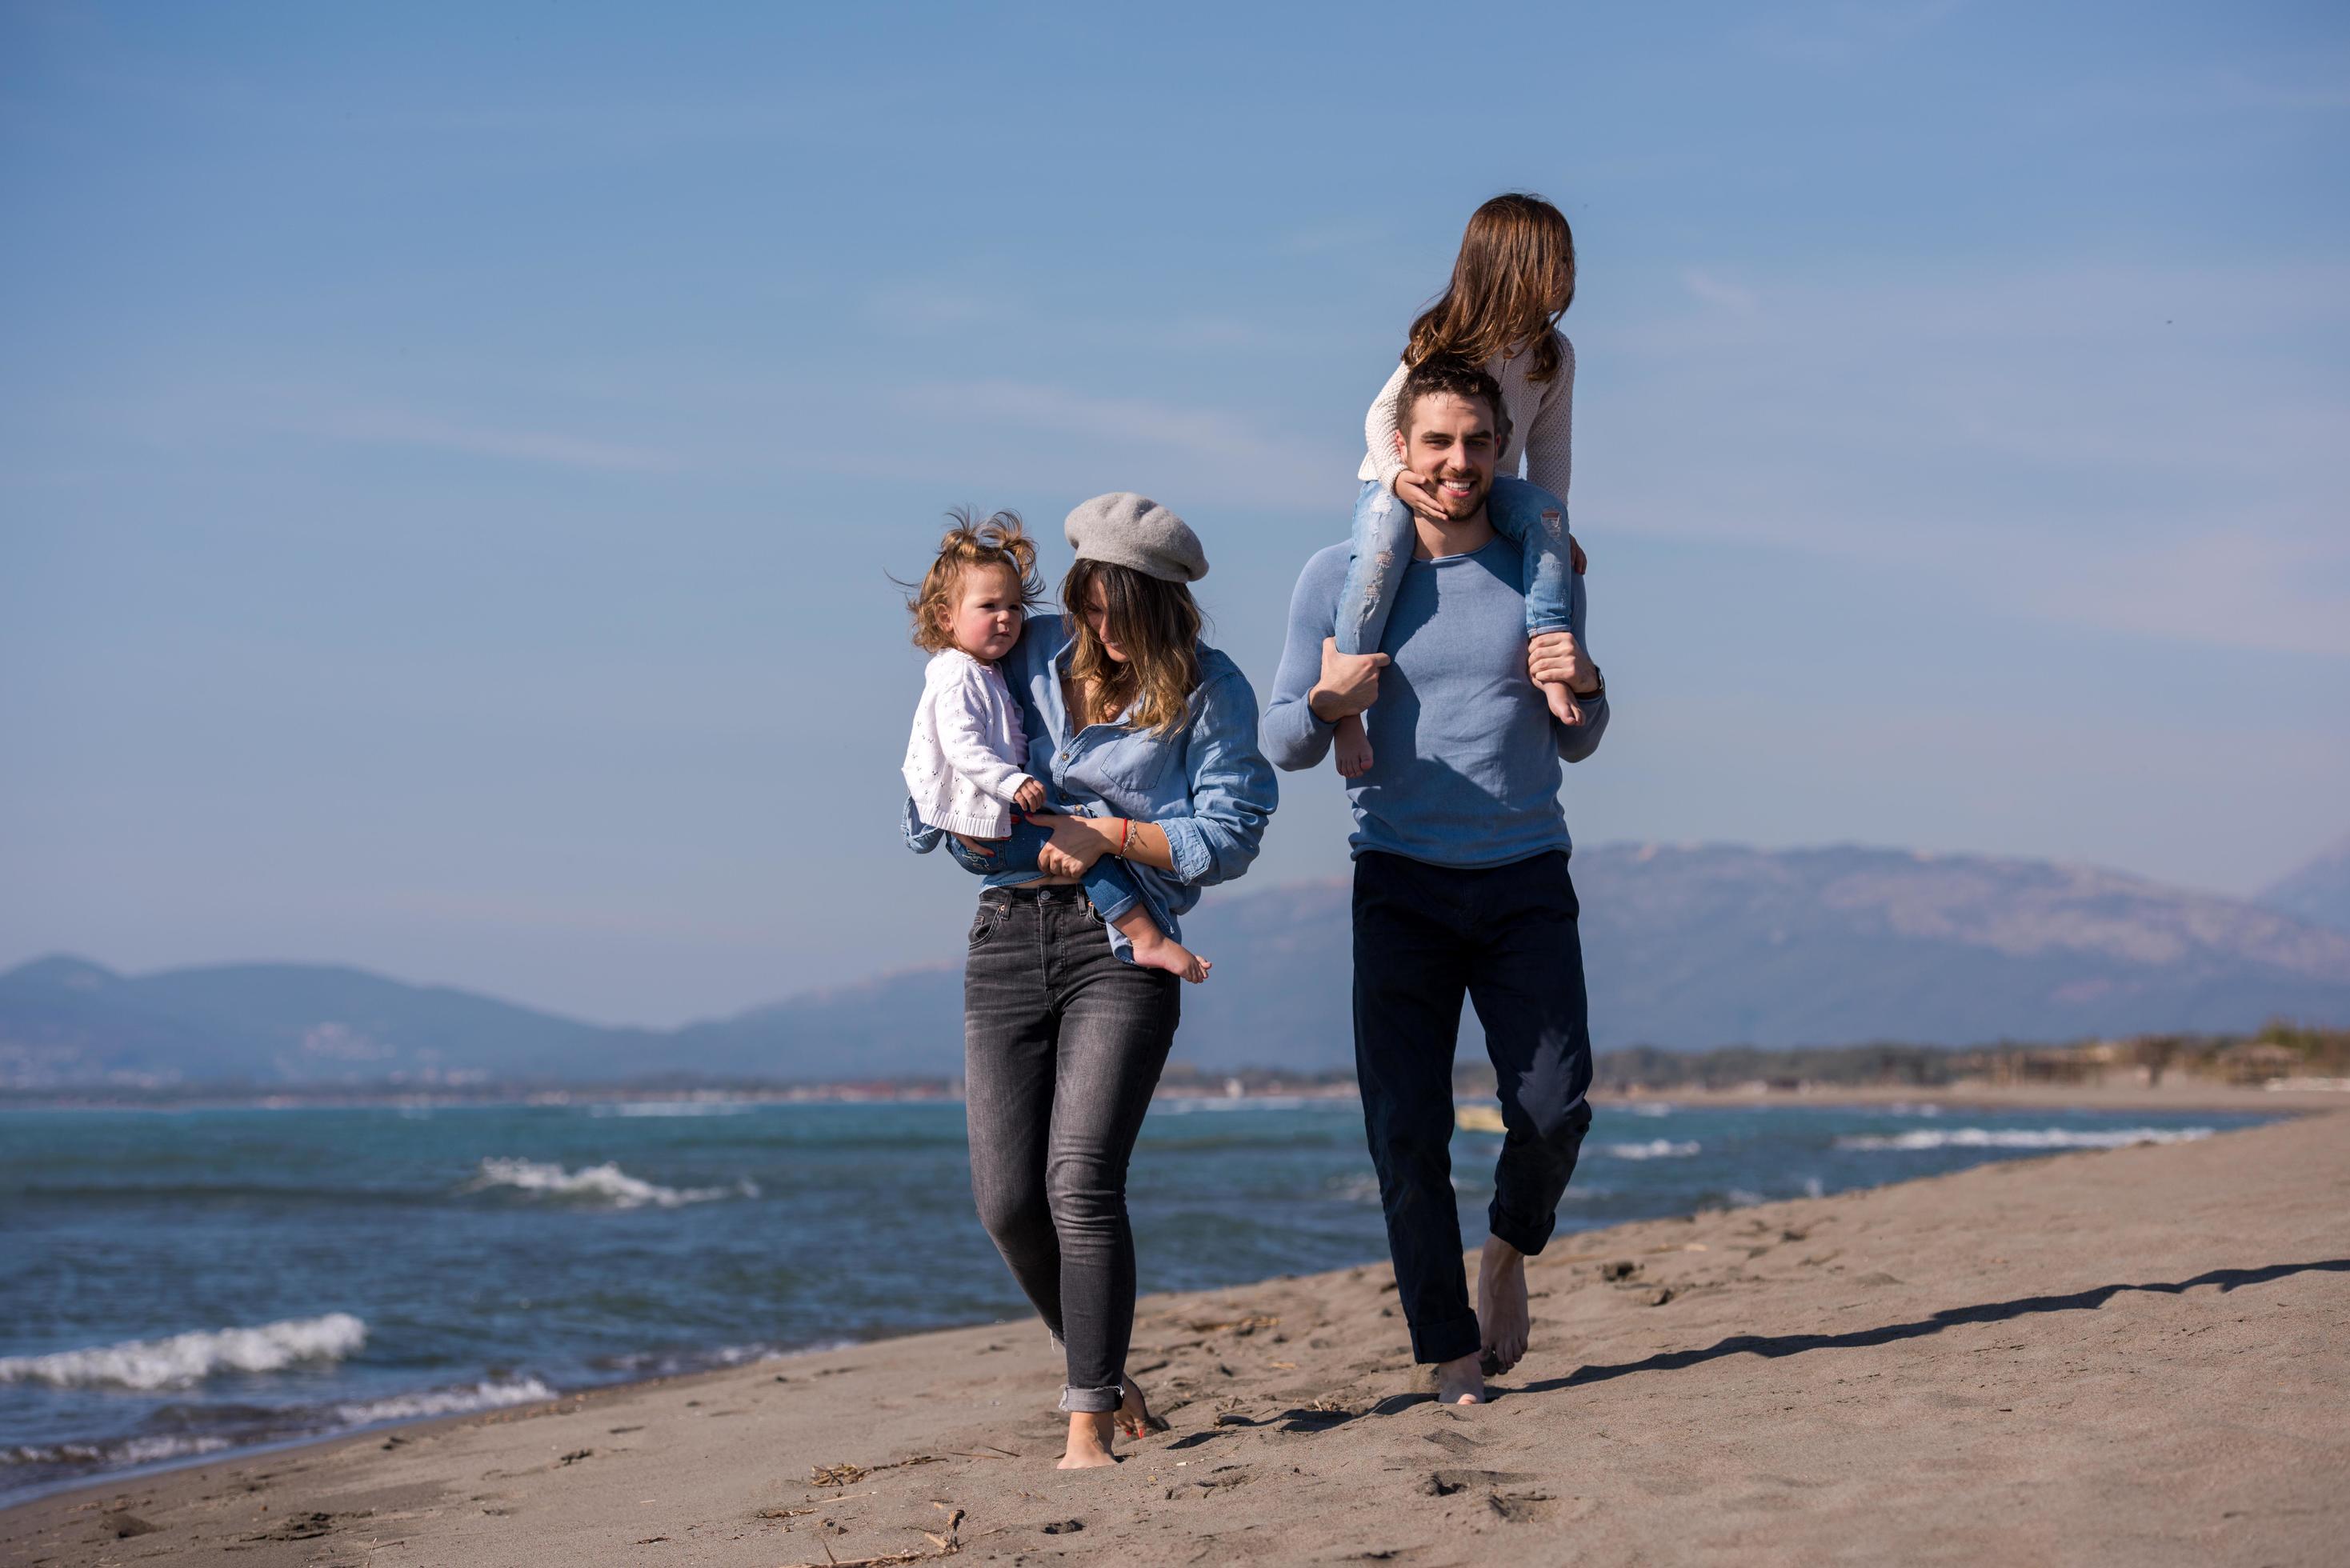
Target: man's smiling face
(1450, 438)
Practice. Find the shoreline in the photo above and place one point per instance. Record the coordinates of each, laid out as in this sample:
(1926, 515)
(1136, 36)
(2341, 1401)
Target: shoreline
(2182, 1093)
(1683, 1258)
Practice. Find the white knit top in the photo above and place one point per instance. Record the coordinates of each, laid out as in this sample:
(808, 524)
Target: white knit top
(1542, 417)
(961, 770)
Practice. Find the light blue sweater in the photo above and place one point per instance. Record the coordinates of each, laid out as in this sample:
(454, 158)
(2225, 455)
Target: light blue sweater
(1466, 769)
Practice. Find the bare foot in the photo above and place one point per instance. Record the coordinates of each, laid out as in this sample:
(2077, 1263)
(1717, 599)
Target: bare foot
(1562, 705)
(1501, 1304)
(1154, 949)
(1459, 1382)
(1089, 1440)
(1352, 748)
(1133, 1417)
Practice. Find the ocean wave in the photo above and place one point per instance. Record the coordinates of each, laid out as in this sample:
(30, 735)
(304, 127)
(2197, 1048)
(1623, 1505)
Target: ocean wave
(1655, 1148)
(114, 1454)
(184, 1359)
(1644, 1108)
(459, 1400)
(673, 1108)
(605, 1184)
(2022, 1137)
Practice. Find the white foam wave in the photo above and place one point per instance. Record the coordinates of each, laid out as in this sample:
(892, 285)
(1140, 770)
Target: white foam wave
(189, 1358)
(673, 1108)
(1645, 1108)
(457, 1401)
(1655, 1148)
(121, 1452)
(2023, 1137)
(605, 1184)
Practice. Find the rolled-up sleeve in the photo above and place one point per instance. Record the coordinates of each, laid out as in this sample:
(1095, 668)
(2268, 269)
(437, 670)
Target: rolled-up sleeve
(1232, 790)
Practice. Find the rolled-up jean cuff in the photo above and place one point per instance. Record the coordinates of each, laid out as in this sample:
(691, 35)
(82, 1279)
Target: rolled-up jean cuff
(1444, 1341)
(1090, 1401)
(1527, 1239)
(1539, 628)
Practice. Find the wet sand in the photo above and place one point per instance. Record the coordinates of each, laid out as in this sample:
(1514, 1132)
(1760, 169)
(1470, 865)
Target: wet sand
(2135, 1356)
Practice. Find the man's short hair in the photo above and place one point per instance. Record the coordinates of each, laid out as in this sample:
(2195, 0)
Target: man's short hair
(1451, 373)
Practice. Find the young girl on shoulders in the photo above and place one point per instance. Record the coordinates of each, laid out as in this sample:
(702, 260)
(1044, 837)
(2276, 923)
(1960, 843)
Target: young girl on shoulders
(964, 758)
(1514, 279)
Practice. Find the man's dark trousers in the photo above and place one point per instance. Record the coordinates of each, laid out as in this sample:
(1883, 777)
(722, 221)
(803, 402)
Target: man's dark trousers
(1506, 936)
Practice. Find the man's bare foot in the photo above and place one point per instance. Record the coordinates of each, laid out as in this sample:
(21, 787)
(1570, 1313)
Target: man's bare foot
(1458, 1382)
(1133, 1417)
(1090, 1441)
(1352, 747)
(1562, 705)
(1501, 1313)
(1154, 949)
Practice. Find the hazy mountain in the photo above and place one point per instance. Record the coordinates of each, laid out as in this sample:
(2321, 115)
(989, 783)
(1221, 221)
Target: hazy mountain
(1685, 946)
(2319, 892)
(64, 1020)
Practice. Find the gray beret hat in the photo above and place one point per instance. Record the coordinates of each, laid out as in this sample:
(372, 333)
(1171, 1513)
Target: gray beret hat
(1129, 530)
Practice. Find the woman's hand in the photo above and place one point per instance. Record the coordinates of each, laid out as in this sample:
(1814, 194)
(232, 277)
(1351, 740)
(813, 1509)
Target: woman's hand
(1077, 842)
(1415, 491)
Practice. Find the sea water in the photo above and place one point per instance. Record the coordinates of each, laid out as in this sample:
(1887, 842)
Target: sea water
(179, 1285)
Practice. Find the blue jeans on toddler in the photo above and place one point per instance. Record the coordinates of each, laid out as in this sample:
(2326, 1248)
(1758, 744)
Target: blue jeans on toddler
(1526, 515)
(1107, 887)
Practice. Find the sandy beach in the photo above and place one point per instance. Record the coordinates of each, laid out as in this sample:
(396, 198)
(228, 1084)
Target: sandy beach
(2140, 1355)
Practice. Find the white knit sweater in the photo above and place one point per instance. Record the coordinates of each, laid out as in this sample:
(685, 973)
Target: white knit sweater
(1542, 417)
(960, 771)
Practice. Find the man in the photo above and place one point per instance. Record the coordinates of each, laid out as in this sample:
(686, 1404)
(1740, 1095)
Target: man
(1460, 875)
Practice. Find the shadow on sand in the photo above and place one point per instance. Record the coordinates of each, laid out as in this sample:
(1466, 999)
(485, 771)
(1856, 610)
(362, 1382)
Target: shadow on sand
(1985, 1312)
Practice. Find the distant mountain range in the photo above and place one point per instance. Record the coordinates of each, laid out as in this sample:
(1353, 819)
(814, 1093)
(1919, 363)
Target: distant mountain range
(1686, 946)
(2319, 892)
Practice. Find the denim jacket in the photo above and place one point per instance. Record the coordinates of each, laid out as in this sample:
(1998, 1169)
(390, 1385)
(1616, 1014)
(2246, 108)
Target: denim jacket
(1206, 786)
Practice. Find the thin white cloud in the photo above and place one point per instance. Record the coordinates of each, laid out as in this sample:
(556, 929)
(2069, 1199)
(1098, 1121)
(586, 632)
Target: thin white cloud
(1218, 452)
(1718, 291)
(394, 426)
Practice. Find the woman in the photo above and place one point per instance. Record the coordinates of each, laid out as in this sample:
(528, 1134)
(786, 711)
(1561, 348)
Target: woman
(1147, 738)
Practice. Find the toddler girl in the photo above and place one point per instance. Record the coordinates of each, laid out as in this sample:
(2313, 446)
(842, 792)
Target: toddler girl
(964, 759)
(1514, 279)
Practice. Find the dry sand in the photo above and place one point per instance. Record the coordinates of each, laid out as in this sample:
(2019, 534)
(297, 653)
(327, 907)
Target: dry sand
(2139, 1356)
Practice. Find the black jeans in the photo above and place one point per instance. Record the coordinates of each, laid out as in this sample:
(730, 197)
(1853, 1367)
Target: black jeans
(1506, 936)
(1062, 1045)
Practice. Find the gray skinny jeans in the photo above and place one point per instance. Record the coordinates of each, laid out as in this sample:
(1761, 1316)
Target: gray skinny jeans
(1062, 1045)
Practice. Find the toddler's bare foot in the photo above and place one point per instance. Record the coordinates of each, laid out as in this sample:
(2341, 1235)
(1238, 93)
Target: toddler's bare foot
(1090, 1441)
(1352, 747)
(1562, 705)
(1154, 949)
(1458, 1382)
(1501, 1304)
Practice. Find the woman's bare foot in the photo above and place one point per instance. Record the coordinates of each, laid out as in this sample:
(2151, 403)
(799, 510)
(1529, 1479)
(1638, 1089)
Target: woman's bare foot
(1352, 747)
(1090, 1436)
(1458, 1382)
(1501, 1314)
(1154, 949)
(1133, 1417)
(1562, 705)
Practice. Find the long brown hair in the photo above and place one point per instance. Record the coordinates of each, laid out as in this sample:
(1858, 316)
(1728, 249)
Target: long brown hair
(1001, 540)
(1514, 279)
(1155, 623)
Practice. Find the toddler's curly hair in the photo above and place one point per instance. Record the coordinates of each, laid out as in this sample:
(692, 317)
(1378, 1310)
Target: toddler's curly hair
(1001, 540)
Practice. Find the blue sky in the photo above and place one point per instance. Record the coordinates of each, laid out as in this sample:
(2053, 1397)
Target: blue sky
(450, 458)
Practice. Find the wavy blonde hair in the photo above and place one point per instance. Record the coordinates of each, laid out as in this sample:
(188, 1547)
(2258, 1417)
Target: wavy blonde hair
(1513, 280)
(1157, 623)
(1001, 540)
